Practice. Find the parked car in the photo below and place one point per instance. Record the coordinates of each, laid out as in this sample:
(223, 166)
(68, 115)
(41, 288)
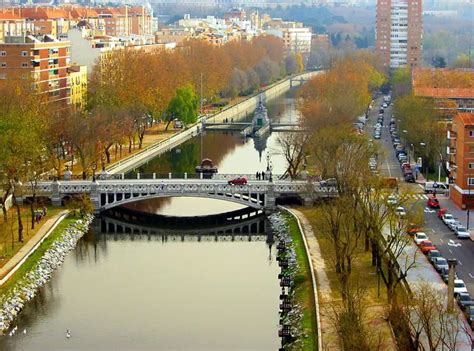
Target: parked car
(461, 232)
(448, 218)
(442, 212)
(376, 135)
(392, 200)
(426, 246)
(470, 316)
(464, 300)
(238, 181)
(439, 263)
(435, 187)
(420, 237)
(459, 286)
(432, 202)
(433, 254)
(400, 211)
(409, 177)
(413, 229)
(445, 275)
(453, 225)
(384, 105)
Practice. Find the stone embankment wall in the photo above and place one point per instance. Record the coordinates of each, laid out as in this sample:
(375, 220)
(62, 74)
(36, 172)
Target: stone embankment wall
(13, 300)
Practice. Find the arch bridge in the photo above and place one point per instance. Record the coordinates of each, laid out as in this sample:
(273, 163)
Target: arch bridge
(109, 192)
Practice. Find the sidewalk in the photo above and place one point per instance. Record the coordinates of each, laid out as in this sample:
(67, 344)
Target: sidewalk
(17, 260)
(424, 272)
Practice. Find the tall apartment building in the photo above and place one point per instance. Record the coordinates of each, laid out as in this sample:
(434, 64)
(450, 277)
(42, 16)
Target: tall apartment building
(461, 159)
(398, 32)
(44, 58)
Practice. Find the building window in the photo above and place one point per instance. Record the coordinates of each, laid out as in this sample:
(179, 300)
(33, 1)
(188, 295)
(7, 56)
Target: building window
(471, 165)
(3, 53)
(24, 64)
(470, 181)
(3, 76)
(24, 53)
(471, 148)
(3, 64)
(471, 133)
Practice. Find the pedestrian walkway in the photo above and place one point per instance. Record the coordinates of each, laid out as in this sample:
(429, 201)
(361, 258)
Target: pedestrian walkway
(29, 247)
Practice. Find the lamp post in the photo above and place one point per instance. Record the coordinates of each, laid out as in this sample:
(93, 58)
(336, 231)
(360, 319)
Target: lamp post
(405, 141)
(94, 167)
(426, 160)
(468, 200)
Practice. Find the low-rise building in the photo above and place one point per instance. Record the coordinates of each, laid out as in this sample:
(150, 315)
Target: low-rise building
(13, 25)
(461, 159)
(451, 89)
(44, 58)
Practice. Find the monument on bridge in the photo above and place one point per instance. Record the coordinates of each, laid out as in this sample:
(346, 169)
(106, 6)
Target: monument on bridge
(260, 121)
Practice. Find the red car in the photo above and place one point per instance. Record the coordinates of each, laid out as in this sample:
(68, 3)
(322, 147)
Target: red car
(238, 181)
(442, 212)
(427, 246)
(413, 228)
(432, 202)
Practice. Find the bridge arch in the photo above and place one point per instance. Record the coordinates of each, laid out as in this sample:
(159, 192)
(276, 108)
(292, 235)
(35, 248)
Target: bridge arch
(109, 201)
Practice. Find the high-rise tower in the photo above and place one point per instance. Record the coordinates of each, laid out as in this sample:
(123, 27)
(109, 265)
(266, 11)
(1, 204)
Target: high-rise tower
(398, 32)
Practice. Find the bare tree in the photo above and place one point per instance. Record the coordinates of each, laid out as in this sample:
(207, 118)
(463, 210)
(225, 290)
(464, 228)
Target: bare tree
(293, 146)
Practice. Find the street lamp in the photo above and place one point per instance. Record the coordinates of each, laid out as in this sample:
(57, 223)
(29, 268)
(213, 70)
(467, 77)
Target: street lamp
(94, 167)
(426, 160)
(405, 141)
(468, 200)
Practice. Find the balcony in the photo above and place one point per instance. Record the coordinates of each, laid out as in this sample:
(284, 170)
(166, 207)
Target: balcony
(451, 150)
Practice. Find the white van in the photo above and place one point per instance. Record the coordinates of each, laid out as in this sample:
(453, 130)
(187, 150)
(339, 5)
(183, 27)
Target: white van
(435, 187)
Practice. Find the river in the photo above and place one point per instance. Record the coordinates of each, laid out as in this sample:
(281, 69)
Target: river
(170, 290)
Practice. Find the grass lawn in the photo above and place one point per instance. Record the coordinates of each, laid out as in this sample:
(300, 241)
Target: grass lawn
(9, 244)
(303, 288)
(33, 258)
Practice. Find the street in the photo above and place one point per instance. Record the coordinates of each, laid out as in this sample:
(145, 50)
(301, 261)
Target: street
(444, 239)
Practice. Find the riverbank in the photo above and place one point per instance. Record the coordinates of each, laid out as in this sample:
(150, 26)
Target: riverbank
(38, 268)
(305, 325)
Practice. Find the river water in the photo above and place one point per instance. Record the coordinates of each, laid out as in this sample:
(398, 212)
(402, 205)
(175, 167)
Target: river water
(169, 290)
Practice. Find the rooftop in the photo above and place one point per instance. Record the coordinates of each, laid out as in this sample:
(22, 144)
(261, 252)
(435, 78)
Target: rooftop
(443, 82)
(467, 119)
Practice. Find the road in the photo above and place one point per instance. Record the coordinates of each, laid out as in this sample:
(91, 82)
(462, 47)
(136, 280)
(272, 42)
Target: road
(445, 240)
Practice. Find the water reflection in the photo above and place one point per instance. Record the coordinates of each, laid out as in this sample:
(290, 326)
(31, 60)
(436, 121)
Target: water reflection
(158, 290)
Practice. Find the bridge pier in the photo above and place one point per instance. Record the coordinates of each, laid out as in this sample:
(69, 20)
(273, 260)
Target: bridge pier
(95, 196)
(270, 199)
(55, 194)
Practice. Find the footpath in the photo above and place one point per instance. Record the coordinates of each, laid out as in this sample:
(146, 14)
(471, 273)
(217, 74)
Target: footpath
(29, 247)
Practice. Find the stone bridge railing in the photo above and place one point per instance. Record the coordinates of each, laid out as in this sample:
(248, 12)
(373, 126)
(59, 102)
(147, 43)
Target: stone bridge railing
(105, 194)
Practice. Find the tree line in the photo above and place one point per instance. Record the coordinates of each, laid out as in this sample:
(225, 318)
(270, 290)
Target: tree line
(359, 223)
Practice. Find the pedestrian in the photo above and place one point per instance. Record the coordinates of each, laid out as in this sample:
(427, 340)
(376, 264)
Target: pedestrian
(263, 175)
(44, 211)
(162, 185)
(232, 120)
(256, 176)
(84, 175)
